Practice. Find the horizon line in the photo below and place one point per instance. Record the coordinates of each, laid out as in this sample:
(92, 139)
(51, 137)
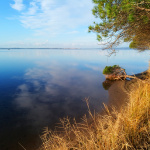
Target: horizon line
(55, 48)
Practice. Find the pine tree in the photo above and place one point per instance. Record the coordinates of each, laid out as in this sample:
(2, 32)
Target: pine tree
(123, 20)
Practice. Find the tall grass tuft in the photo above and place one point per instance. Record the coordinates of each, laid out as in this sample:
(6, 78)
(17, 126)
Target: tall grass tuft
(128, 129)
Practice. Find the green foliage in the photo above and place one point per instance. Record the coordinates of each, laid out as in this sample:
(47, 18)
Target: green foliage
(122, 20)
(133, 45)
(110, 69)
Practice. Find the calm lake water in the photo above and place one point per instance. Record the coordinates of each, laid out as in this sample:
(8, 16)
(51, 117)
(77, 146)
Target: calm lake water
(39, 86)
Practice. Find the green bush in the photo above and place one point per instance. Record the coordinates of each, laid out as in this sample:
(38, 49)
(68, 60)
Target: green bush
(110, 69)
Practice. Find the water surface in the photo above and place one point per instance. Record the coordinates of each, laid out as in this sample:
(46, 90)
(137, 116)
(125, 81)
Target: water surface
(39, 86)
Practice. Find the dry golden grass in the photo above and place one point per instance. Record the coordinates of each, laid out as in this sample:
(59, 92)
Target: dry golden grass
(128, 129)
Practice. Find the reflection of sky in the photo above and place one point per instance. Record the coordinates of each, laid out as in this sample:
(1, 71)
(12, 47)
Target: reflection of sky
(58, 84)
(37, 87)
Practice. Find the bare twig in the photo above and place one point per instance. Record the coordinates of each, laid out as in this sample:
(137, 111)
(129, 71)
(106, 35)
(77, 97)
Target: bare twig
(22, 146)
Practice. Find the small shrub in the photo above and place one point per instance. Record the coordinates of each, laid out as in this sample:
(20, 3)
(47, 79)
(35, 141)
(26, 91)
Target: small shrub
(110, 69)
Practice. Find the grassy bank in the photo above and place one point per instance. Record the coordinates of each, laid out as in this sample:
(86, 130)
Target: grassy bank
(128, 129)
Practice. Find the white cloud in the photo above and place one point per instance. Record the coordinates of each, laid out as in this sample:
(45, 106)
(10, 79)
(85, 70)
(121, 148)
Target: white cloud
(52, 17)
(33, 8)
(73, 32)
(18, 5)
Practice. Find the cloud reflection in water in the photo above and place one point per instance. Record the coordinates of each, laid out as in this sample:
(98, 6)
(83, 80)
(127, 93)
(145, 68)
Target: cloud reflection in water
(52, 90)
(51, 84)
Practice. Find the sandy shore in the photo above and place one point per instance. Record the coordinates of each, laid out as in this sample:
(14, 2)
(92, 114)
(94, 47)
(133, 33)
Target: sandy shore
(119, 94)
(119, 90)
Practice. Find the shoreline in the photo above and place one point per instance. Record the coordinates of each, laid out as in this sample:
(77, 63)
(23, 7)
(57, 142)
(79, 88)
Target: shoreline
(126, 127)
(119, 90)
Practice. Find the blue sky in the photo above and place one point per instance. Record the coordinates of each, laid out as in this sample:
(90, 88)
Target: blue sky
(46, 23)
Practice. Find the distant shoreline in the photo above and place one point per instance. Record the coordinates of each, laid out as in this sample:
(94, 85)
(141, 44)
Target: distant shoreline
(65, 48)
